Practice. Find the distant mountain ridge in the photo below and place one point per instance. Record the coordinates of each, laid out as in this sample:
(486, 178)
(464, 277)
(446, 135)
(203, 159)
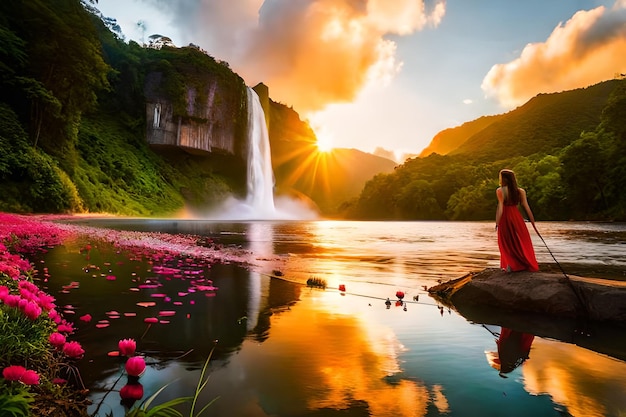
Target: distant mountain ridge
(545, 123)
(452, 138)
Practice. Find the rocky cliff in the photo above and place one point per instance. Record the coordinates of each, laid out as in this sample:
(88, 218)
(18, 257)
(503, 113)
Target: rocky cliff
(213, 117)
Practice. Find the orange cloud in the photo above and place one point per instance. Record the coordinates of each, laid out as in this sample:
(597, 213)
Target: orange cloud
(587, 383)
(587, 49)
(310, 53)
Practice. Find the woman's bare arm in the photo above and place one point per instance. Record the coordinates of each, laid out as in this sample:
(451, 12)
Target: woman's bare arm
(500, 205)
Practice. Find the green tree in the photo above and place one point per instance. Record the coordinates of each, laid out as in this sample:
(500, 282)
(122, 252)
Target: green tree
(375, 201)
(585, 173)
(474, 202)
(63, 70)
(416, 200)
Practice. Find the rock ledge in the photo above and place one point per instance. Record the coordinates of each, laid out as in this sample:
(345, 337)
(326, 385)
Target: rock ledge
(553, 294)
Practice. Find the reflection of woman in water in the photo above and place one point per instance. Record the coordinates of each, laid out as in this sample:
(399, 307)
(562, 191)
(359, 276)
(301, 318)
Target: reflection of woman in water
(516, 247)
(513, 350)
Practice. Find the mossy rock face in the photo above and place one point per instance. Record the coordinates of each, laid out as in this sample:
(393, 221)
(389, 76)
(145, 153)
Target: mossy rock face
(536, 292)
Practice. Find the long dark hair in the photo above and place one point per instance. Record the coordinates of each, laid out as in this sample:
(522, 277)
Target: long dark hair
(507, 179)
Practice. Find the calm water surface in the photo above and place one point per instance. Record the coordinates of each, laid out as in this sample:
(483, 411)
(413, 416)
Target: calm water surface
(284, 349)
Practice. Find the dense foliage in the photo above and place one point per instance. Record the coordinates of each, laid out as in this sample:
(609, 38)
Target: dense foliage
(569, 173)
(72, 117)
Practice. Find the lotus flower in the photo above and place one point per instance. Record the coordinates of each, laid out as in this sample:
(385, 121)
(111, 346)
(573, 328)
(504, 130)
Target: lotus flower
(132, 391)
(127, 347)
(135, 366)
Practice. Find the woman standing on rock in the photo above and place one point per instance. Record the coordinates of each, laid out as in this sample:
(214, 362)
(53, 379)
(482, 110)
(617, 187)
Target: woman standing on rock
(516, 247)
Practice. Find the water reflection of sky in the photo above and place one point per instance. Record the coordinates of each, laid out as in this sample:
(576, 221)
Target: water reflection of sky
(289, 350)
(586, 383)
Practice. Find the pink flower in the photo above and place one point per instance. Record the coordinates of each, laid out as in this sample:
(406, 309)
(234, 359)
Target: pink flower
(127, 347)
(4, 291)
(65, 327)
(135, 366)
(13, 372)
(86, 318)
(12, 300)
(19, 373)
(132, 391)
(57, 339)
(54, 316)
(30, 378)
(32, 310)
(46, 301)
(73, 349)
(28, 286)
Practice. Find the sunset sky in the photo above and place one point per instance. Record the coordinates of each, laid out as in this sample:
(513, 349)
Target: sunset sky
(393, 73)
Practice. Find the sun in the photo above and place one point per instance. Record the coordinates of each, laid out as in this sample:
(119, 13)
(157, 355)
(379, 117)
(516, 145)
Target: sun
(324, 142)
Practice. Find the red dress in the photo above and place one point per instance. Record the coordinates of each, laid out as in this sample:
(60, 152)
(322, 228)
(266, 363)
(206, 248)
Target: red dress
(516, 247)
(513, 348)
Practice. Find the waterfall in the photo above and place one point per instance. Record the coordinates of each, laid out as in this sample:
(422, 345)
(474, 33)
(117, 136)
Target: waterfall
(260, 179)
(259, 203)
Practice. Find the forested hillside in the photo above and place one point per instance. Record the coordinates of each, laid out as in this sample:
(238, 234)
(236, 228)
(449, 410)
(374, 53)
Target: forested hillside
(72, 119)
(450, 139)
(568, 149)
(546, 123)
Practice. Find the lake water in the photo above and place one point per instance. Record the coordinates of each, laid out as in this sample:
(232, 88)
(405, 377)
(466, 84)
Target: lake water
(285, 349)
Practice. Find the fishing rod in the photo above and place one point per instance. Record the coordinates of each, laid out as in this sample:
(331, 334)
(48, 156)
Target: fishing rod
(579, 296)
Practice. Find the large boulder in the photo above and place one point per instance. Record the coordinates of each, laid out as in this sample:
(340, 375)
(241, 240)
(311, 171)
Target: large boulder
(556, 295)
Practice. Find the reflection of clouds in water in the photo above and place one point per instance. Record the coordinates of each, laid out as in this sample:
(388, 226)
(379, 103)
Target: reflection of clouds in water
(576, 378)
(351, 359)
(439, 399)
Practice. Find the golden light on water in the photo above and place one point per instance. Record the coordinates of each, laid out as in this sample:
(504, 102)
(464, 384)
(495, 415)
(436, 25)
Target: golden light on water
(349, 361)
(576, 378)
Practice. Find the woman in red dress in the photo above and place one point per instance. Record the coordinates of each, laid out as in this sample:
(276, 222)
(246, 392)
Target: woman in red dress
(516, 247)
